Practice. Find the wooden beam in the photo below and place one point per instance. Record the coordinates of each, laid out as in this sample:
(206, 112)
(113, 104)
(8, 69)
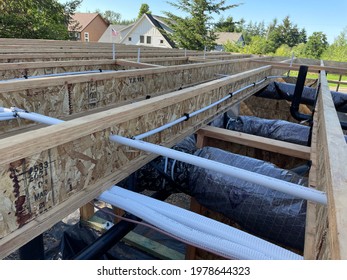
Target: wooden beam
(50, 172)
(61, 97)
(331, 173)
(295, 67)
(312, 233)
(254, 141)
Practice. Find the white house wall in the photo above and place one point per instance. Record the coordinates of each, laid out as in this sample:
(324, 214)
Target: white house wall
(146, 28)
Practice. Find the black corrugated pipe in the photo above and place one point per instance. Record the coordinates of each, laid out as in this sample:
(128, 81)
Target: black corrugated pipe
(113, 235)
(299, 87)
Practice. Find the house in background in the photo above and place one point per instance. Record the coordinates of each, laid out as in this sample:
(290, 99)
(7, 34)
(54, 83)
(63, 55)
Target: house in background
(87, 27)
(110, 37)
(146, 31)
(224, 37)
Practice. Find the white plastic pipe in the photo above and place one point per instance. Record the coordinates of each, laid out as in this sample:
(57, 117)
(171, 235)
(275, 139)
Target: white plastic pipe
(58, 75)
(38, 118)
(269, 182)
(196, 229)
(4, 116)
(159, 129)
(209, 106)
(16, 112)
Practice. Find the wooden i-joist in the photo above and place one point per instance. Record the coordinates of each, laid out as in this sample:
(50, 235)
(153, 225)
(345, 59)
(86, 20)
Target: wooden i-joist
(47, 172)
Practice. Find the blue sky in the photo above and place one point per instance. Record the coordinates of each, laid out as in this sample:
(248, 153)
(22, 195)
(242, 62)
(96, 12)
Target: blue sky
(329, 16)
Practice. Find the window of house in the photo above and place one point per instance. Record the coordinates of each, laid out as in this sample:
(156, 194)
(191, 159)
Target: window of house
(142, 39)
(86, 36)
(161, 41)
(149, 39)
(129, 39)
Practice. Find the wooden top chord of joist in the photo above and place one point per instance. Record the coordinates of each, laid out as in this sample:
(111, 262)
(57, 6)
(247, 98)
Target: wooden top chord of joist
(327, 225)
(312, 68)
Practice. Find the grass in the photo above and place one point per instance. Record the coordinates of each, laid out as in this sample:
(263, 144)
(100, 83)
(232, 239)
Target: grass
(333, 77)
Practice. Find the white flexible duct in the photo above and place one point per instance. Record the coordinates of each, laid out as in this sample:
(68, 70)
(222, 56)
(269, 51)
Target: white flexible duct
(269, 182)
(207, 233)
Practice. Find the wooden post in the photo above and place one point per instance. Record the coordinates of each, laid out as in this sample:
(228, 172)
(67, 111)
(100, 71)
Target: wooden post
(338, 84)
(86, 212)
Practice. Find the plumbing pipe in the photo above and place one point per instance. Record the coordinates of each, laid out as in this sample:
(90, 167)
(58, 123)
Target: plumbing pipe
(16, 112)
(204, 224)
(187, 116)
(101, 245)
(58, 75)
(222, 245)
(179, 120)
(272, 183)
(5, 116)
(159, 129)
(38, 118)
(299, 87)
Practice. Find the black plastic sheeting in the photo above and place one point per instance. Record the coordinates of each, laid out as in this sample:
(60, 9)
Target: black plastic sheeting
(274, 129)
(277, 90)
(79, 236)
(264, 212)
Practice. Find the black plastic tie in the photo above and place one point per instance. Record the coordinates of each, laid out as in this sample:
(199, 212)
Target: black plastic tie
(187, 116)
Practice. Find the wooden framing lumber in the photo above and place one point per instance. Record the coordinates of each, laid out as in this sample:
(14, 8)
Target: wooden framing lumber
(65, 96)
(296, 66)
(330, 240)
(254, 141)
(48, 173)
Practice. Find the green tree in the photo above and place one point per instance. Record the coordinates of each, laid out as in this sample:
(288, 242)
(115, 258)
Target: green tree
(111, 17)
(144, 9)
(253, 29)
(299, 50)
(36, 19)
(286, 33)
(195, 30)
(284, 50)
(337, 51)
(259, 45)
(317, 43)
(228, 25)
(233, 47)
